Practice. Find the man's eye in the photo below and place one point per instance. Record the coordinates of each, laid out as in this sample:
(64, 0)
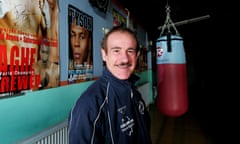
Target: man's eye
(72, 34)
(131, 51)
(82, 36)
(116, 51)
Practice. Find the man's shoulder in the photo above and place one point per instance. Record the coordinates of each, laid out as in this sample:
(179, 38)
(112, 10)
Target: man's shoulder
(95, 92)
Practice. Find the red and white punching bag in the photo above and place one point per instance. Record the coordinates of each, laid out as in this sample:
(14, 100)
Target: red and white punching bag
(172, 99)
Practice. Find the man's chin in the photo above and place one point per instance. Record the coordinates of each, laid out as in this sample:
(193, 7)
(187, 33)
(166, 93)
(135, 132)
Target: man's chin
(123, 76)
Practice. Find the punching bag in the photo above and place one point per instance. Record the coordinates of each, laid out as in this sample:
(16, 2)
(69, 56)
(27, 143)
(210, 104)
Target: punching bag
(172, 99)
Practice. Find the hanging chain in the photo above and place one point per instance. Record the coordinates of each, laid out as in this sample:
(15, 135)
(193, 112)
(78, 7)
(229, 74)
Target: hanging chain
(168, 23)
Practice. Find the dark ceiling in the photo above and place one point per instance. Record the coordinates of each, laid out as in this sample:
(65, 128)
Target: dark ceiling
(152, 13)
(205, 40)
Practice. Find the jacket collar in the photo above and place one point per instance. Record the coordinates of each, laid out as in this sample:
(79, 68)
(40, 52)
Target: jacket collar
(110, 77)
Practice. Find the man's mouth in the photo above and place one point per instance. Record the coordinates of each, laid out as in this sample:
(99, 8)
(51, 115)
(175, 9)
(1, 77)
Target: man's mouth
(77, 55)
(124, 65)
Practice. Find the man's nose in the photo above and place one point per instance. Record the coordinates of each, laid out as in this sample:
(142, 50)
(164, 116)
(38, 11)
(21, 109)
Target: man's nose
(77, 41)
(124, 56)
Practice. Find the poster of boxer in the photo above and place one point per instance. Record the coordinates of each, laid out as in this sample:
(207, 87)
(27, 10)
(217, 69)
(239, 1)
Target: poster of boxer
(28, 46)
(80, 28)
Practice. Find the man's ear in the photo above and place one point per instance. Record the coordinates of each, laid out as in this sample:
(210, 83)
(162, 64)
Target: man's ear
(138, 54)
(103, 54)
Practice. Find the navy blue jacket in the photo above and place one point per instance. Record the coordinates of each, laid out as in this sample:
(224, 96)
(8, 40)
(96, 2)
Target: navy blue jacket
(110, 111)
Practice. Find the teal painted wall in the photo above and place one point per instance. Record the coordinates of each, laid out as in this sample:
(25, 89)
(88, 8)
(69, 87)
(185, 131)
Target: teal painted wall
(33, 112)
(147, 76)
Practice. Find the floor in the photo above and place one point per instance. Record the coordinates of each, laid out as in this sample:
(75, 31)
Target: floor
(181, 130)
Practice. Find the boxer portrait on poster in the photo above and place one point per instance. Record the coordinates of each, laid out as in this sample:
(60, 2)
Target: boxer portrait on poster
(23, 26)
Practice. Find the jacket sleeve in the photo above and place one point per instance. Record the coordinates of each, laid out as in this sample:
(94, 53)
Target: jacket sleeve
(80, 125)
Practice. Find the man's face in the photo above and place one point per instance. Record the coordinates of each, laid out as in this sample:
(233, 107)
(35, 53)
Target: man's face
(121, 57)
(79, 43)
(44, 53)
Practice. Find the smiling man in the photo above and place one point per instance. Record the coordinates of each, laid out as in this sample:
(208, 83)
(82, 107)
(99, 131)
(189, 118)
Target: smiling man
(111, 110)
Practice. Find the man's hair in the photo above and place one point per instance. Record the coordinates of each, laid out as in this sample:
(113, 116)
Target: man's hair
(120, 29)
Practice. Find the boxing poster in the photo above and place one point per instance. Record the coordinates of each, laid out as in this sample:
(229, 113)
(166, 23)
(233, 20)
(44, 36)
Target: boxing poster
(80, 30)
(29, 51)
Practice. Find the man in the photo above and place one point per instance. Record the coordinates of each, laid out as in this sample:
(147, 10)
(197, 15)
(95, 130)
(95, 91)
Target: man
(80, 43)
(111, 110)
(48, 71)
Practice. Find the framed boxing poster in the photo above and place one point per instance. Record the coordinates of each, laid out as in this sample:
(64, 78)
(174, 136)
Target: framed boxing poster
(28, 46)
(80, 30)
